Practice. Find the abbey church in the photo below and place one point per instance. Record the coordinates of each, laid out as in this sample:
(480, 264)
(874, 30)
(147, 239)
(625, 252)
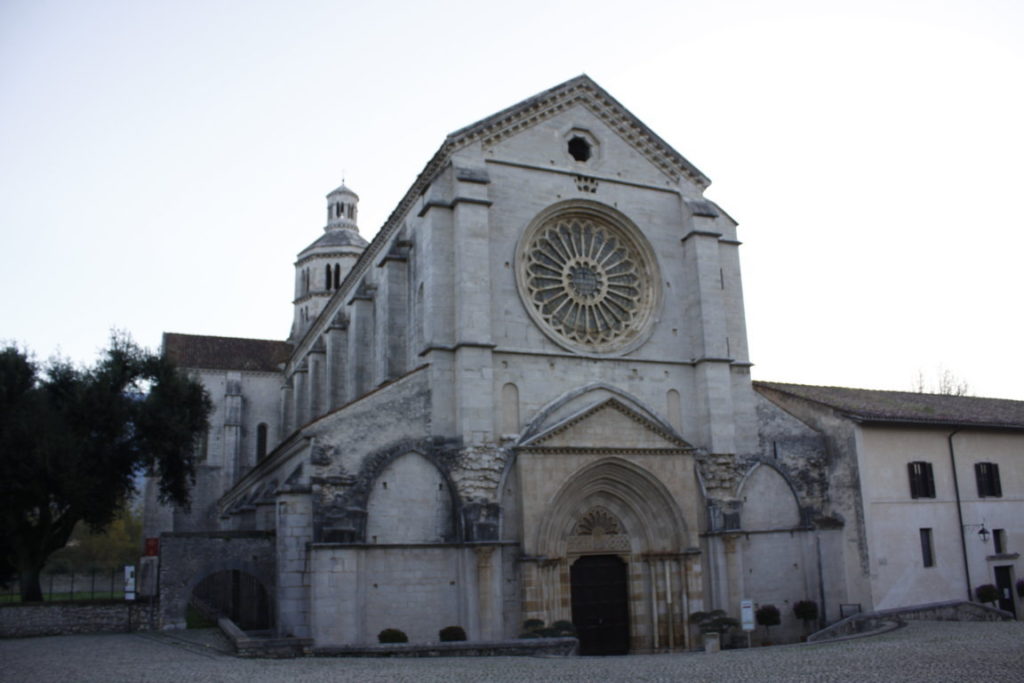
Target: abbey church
(529, 397)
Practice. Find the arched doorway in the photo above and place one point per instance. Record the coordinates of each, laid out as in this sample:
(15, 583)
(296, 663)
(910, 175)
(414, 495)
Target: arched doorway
(600, 604)
(237, 595)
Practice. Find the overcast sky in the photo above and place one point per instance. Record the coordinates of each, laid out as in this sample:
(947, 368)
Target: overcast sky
(162, 162)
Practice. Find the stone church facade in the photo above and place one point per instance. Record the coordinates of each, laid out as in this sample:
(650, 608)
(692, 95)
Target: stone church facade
(528, 397)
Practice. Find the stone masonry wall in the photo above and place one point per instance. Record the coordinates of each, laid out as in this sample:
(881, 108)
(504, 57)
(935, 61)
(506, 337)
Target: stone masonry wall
(188, 558)
(54, 619)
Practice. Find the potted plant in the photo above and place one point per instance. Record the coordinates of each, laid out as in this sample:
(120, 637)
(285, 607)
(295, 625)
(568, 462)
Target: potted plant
(806, 611)
(712, 626)
(768, 616)
(986, 592)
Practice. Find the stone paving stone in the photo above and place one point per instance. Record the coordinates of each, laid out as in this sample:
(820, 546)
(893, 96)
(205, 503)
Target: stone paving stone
(923, 651)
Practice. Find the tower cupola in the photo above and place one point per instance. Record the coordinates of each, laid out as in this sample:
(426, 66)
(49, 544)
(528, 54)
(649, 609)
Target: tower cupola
(322, 266)
(342, 209)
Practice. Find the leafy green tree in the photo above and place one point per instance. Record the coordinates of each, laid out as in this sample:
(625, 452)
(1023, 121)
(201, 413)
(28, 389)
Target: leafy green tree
(72, 439)
(114, 547)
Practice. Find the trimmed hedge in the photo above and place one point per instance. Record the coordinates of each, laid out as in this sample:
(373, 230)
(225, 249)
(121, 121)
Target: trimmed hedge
(392, 635)
(450, 634)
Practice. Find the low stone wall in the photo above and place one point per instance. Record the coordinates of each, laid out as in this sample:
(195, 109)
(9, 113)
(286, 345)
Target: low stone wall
(64, 618)
(267, 647)
(869, 623)
(494, 648)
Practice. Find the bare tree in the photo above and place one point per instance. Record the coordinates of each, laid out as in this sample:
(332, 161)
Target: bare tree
(947, 383)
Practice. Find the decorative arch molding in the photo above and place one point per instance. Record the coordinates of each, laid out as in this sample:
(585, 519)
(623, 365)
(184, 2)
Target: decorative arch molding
(641, 506)
(764, 462)
(555, 409)
(801, 513)
(598, 531)
(342, 518)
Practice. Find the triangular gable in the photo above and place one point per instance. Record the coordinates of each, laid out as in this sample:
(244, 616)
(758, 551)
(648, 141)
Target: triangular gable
(580, 90)
(583, 91)
(608, 426)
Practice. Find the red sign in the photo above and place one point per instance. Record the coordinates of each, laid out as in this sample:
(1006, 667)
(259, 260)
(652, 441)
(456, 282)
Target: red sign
(152, 547)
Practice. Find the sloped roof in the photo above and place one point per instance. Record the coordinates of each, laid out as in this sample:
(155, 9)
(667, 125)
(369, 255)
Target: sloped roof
(225, 353)
(907, 407)
(337, 238)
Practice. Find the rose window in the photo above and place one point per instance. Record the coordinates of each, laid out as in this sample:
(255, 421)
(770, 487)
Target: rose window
(587, 281)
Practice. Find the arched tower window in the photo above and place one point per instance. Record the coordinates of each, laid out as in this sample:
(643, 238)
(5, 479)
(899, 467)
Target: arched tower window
(261, 441)
(337, 276)
(327, 277)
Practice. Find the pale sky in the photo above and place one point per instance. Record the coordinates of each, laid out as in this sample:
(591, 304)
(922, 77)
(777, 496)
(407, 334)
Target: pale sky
(162, 162)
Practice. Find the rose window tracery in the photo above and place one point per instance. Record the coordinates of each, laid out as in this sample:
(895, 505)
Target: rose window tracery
(587, 281)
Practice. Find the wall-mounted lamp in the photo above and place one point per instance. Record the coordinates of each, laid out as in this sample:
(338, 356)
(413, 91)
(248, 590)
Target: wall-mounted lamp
(983, 533)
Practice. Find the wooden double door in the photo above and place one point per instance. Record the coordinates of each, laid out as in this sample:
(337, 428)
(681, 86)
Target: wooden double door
(600, 604)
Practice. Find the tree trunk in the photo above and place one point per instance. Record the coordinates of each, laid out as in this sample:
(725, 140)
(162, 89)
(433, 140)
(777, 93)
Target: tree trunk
(28, 580)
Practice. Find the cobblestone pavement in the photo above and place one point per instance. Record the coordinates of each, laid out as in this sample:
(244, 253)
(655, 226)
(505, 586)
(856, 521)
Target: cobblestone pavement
(923, 651)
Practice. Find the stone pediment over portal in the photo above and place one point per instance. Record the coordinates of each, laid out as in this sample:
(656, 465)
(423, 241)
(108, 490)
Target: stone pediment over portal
(608, 427)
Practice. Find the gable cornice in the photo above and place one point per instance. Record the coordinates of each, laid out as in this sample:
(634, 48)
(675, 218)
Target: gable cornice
(584, 91)
(537, 442)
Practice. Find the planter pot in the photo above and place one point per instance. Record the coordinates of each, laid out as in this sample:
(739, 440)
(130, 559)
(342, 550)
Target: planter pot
(712, 643)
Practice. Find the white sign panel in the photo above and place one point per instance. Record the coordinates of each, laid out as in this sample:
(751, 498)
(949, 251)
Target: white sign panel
(747, 614)
(129, 582)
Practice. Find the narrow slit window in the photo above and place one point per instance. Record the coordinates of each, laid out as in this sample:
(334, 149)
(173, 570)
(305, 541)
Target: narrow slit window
(927, 550)
(999, 540)
(261, 441)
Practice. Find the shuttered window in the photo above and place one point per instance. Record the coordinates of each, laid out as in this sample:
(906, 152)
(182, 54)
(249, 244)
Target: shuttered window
(987, 474)
(922, 483)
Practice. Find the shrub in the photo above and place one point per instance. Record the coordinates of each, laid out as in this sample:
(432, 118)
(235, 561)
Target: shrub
(768, 616)
(806, 610)
(563, 628)
(392, 635)
(986, 593)
(535, 628)
(715, 621)
(450, 634)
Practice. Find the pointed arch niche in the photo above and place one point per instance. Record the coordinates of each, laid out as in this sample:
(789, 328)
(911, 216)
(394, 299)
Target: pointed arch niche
(410, 502)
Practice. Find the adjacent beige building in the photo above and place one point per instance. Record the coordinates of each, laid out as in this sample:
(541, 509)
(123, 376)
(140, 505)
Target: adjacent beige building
(929, 489)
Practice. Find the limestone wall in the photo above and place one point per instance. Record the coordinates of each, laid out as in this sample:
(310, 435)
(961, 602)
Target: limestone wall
(358, 591)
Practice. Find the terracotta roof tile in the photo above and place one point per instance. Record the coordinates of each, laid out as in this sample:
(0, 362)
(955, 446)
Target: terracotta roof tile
(870, 405)
(225, 353)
